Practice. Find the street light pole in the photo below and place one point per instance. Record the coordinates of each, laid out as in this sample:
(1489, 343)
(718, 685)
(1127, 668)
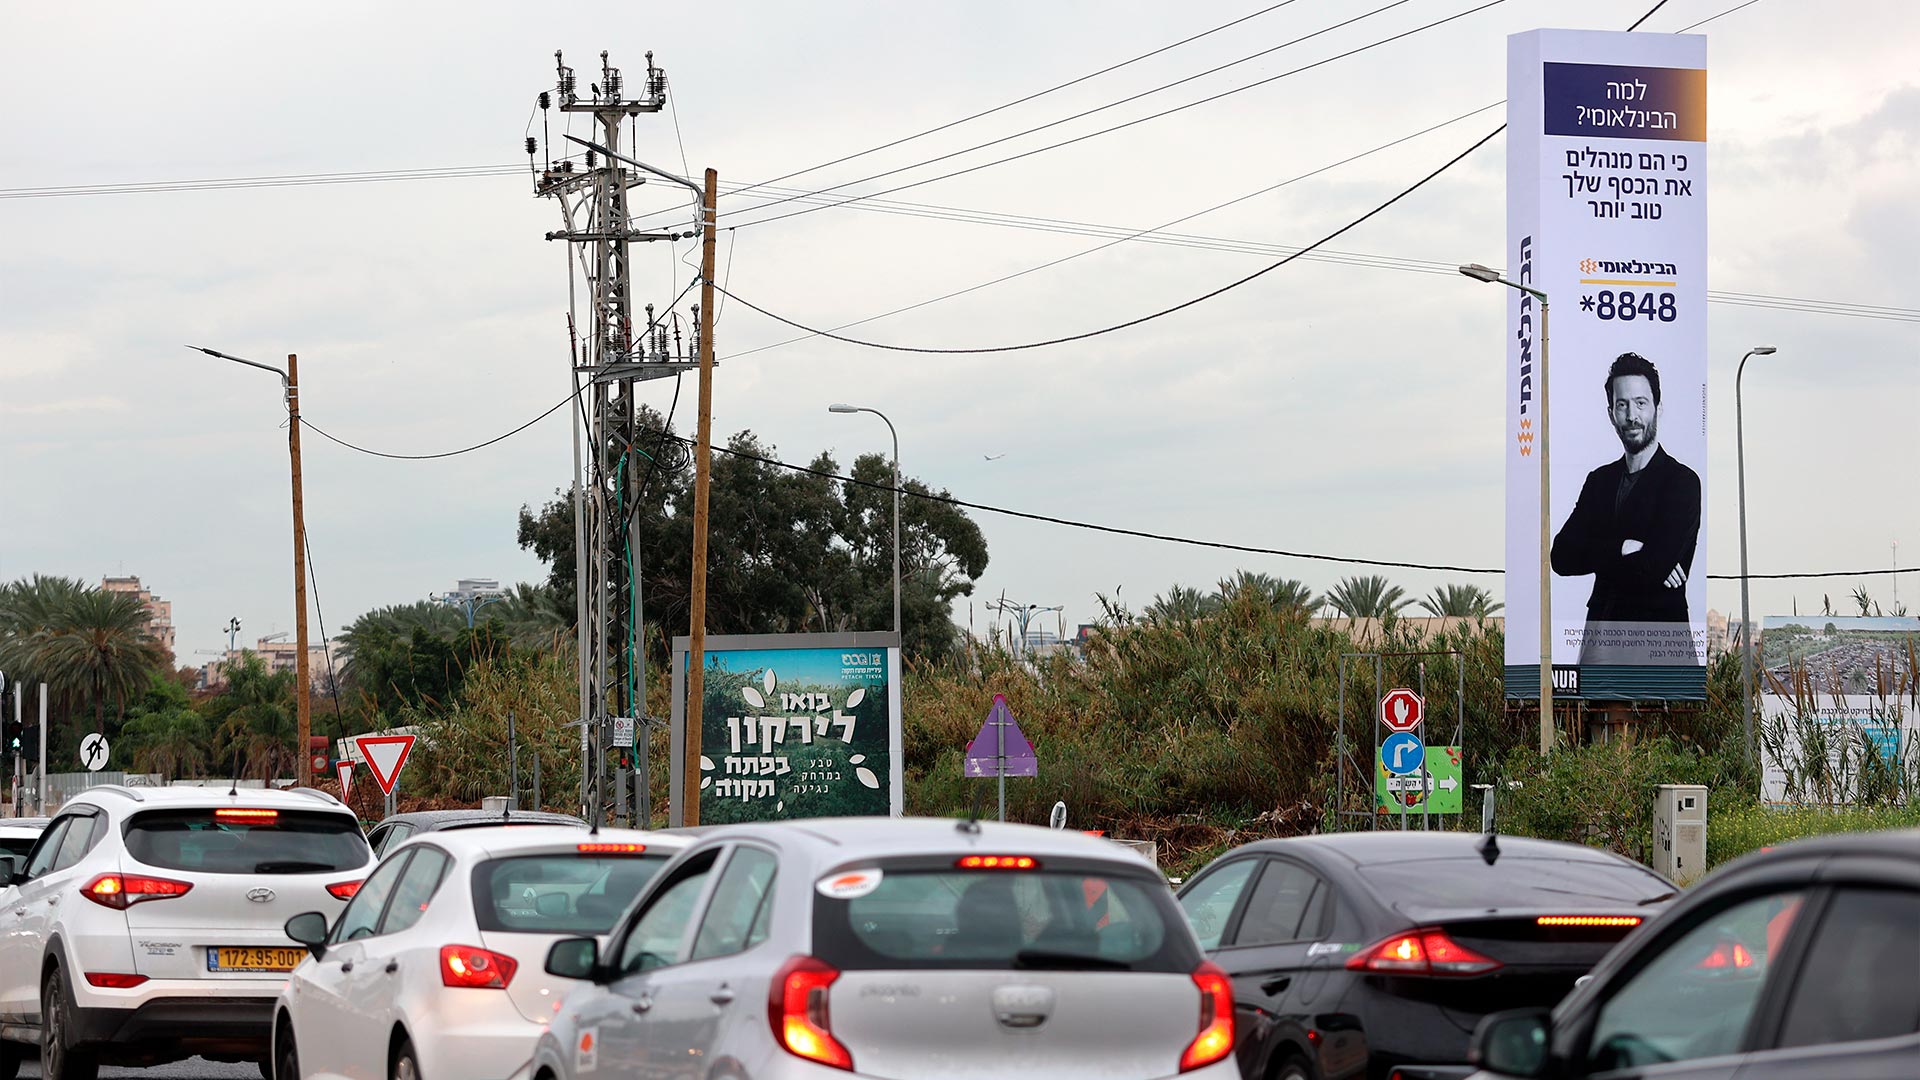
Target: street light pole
(1482, 273)
(840, 408)
(303, 706)
(1746, 623)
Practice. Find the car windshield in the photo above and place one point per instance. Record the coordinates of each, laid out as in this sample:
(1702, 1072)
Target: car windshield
(1515, 882)
(560, 893)
(247, 841)
(999, 920)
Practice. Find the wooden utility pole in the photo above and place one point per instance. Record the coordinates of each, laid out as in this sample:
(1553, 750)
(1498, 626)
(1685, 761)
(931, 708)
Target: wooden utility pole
(702, 473)
(303, 704)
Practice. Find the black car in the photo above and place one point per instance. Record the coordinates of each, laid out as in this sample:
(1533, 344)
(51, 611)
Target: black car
(1375, 954)
(1801, 961)
(388, 834)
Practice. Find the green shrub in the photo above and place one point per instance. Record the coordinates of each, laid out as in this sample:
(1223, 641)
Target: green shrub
(1735, 830)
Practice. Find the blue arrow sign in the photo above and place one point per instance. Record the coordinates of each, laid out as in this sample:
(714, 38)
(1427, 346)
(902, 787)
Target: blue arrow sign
(1403, 753)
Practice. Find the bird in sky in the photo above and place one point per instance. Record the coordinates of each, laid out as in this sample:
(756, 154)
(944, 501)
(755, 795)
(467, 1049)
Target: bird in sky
(994, 457)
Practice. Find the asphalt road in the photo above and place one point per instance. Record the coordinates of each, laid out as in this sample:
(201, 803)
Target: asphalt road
(190, 1069)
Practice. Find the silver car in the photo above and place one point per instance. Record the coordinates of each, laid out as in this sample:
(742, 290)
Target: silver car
(896, 948)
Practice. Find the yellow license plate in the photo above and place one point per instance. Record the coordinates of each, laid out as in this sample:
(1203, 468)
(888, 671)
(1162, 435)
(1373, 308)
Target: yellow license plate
(250, 958)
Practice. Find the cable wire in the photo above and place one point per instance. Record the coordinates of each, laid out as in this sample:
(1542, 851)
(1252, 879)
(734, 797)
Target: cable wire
(1349, 226)
(561, 404)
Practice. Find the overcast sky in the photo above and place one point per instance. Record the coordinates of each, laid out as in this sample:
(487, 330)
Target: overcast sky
(1346, 408)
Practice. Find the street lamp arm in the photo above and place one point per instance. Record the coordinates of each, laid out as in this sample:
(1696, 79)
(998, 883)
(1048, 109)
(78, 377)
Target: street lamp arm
(284, 381)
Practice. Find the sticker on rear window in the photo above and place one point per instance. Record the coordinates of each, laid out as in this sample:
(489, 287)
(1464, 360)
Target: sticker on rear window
(848, 886)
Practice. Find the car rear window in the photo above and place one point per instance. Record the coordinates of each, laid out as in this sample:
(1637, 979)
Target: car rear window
(1515, 882)
(560, 893)
(1002, 920)
(288, 842)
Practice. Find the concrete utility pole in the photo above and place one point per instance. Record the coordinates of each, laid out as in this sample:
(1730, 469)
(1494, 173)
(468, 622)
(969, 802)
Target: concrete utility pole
(607, 542)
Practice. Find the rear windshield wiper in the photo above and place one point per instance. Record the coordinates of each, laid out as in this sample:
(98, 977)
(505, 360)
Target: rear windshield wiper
(1046, 958)
(1657, 899)
(290, 867)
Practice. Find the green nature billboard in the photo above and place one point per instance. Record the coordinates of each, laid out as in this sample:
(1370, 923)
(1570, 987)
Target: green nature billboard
(792, 726)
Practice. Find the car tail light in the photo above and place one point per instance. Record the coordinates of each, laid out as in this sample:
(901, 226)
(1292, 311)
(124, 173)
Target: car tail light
(1215, 1039)
(997, 862)
(1422, 952)
(344, 890)
(242, 813)
(797, 1010)
(1727, 954)
(114, 980)
(1587, 920)
(476, 968)
(122, 891)
(610, 849)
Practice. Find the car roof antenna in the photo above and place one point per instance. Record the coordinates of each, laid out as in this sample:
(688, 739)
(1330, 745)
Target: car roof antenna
(234, 789)
(972, 823)
(1489, 845)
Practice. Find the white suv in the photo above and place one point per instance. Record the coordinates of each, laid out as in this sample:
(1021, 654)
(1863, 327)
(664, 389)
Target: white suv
(146, 924)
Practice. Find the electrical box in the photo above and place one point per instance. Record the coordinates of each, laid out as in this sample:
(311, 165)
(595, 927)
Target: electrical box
(1680, 832)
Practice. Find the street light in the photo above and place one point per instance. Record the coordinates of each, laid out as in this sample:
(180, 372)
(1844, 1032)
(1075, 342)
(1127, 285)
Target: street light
(1746, 624)
(1491, 276)
(843, 408)
(303, 706)
(469, 604)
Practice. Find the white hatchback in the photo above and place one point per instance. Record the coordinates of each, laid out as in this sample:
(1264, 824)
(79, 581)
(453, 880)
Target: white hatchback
(146, 923)
(436, 967)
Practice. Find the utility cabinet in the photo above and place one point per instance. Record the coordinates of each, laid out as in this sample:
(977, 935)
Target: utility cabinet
(1680, 832)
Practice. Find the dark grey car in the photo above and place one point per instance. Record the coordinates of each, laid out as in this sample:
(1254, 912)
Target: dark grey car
(387, 835)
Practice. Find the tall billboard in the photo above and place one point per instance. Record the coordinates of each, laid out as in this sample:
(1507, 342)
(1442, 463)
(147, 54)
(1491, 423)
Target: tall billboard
(792, 726)
(1607, 215)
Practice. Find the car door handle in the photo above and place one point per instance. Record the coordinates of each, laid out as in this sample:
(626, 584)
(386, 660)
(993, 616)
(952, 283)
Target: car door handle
(1275, 985)
(393, 966)
(641, 1005)
(346, 965)
(722, 995)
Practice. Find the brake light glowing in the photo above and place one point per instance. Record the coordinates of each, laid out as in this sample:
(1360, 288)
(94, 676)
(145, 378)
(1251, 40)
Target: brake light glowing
(1215, 1039)
(242, 813)
(114, 980)
(1588, 920)
(997, 862)
(610, 849)
(1727, 954)
(475, 968)
(344, 890)
(797, 1011)
(121, 891)
(1422, 952)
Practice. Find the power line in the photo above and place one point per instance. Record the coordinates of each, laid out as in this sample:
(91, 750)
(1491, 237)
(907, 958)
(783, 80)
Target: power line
(1217, 544)
(561, 404)
(1349, 226)
(1017, 101)
(1130, 123)
(228, 183)
(1102, 108)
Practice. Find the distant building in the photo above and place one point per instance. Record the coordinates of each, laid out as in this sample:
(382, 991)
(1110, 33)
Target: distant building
(280, 655)
(1723, 634)
(159, 612)
(471, 588)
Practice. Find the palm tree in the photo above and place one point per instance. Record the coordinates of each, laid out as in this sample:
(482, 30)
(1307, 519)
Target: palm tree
(1462, 601)
(1367, 597)
(257, 730)
(1182, 604)
(96, 646)
(532, 616)
(1266, 590)
(29, 609)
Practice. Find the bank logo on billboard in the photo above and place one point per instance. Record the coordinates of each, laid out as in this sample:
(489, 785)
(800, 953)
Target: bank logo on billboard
(1606, 198)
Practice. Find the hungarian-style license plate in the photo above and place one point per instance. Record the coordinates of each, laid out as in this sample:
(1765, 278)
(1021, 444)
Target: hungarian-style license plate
(252, 958)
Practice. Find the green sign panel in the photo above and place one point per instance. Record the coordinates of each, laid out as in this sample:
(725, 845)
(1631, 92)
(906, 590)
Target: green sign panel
(1433, 790)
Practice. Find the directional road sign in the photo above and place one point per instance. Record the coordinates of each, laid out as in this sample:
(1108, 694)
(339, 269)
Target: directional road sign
(1435, 789)
(93, 752)
(1403, 754)
(385, 756)
(1402, 710)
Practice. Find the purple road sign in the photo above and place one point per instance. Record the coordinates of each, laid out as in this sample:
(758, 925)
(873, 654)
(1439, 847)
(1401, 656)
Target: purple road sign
(988, 755)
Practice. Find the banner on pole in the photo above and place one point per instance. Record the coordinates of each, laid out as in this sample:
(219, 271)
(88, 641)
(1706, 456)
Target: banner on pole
(1606, 214)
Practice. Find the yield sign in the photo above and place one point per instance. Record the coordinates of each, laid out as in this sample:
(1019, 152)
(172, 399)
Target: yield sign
(987, 755)
(345, 771)
(1402, 709)
(385, 756)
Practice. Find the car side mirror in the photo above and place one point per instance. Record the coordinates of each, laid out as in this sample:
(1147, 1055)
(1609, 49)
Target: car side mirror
(309, 928)
(573, 958)
(1513, 1043)
(11, 869)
